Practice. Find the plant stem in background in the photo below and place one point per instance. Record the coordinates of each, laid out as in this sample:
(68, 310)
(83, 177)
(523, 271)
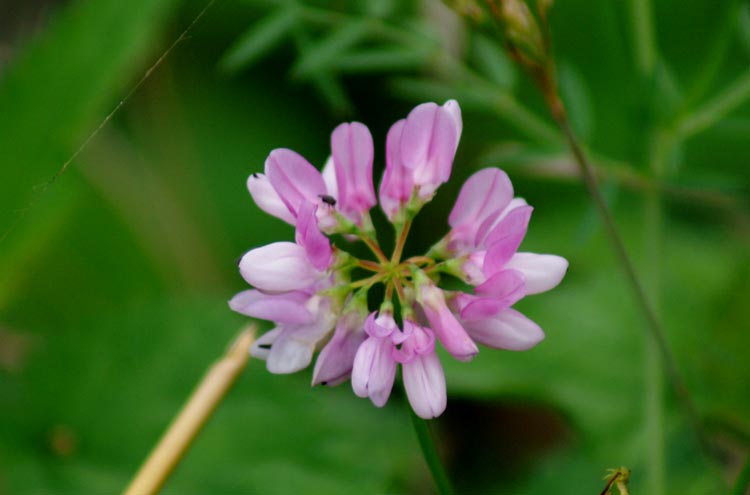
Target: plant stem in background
(646, 54)
(742, 485)
(180, 435)
(427, 444)
(652, 320)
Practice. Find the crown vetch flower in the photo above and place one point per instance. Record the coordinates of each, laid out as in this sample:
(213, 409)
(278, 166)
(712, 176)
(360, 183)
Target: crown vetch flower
(313, 291)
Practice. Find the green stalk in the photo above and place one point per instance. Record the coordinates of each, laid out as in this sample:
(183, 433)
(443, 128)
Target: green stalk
(742, 485)
(427, 444)
(652, 365)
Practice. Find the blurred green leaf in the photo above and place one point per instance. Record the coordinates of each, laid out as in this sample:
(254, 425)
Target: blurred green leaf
(61, 85)
(380, 60)
(577, 98)
(258, 40)
(320, 56)
(493, 61)
(742, 485)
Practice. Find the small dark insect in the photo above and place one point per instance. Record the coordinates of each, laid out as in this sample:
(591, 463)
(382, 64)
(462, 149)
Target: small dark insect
(255, 176)
(329, 200)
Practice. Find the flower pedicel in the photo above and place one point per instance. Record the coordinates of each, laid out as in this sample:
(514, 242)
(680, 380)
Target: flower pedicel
(308, 289)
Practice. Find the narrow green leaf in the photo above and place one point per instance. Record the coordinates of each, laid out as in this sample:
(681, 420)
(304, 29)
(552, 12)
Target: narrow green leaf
(61, 86)
(258, 40)
(492, 61)
(381, 60)
(742, 485)
(577, 98)
(322, 55)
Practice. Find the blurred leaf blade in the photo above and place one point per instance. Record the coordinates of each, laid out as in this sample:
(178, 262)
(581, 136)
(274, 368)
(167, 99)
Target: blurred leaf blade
(258, 40)
(322, 54)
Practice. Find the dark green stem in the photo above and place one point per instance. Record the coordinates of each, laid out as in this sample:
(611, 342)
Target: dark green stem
(742, 485)
(427, 444)
(653, 324)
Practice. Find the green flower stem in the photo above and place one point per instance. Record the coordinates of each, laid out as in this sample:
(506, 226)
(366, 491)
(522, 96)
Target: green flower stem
(427, 444)
(374, 247)
(742, 484)
(402, 232)
(652, 361)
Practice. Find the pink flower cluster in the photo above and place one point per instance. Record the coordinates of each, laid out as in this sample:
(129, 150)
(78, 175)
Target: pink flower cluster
(316, 296)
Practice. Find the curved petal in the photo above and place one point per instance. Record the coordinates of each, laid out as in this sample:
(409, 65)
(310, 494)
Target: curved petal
(505, 238)
(424, 382)
(278, 267)
(335, 361)
(352, 149)
(428, 144)
(294, 179)
(289, 354)
(507, 330)
(308, 235)
(281, 308)
(542, 271)
(374, 370)
(397, 183)
(447, 328)
(267, 199)
(484, 195)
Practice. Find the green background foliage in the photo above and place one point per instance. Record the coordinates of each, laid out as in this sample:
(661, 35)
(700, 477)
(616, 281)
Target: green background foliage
(114, 278)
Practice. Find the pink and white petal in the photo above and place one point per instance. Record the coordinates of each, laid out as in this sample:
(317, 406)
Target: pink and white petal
(353, 152)
(329, 178)
(262, 346)
(480, 308)
(335, 361)
(397, 183)
(281, 308)
(504, 284)
(509, 330)
(446, 327)
(308, 235)
(428, 145)
(267, 199)
(489, 224)
(484, 194)
(424, 382)
(541, 271)
(505, 238)
(289, 353)
(294, 179)
(278, 267)
(374, 370)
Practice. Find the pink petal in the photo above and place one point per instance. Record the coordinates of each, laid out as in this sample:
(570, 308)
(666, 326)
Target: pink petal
(507, 330)
(541, 271)
(397, 184)
(294, 179)
(499, 292)
(380, 326)
(374, 370)
(447, 328)
(505, 238)
(288, 307)
(352, 148)
(278, 267)
(484, 195)
(335, 361)
(424, 382)
(308, 235)
(428, 145)
(267, 199)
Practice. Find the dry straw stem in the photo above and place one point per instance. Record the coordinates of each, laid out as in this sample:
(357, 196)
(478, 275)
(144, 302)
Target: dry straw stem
(185, 427)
